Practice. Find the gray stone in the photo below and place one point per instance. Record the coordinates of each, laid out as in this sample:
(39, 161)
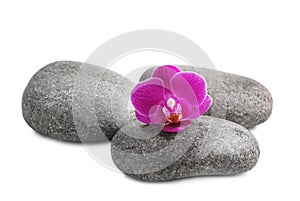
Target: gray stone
(235, 98)
(210, 146)
(75, 102)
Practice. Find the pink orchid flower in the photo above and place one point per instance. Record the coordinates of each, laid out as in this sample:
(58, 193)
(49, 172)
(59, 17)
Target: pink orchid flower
(171, 98)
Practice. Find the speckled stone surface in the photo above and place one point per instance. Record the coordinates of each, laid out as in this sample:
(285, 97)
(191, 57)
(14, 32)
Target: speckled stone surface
(235, 98)
(211, 146)
(75, 102)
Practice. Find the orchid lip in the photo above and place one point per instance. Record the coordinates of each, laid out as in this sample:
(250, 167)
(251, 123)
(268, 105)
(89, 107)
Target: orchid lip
(174, 114)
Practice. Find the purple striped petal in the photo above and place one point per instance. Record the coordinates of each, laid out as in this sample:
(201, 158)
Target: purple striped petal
(165, 73)
(147, 94)
(143, 118)
(205, 105)
(189, 86)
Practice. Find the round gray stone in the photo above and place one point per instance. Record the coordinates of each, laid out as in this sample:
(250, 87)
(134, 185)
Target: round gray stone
(235, 98)
(210, 146)
(73, 101)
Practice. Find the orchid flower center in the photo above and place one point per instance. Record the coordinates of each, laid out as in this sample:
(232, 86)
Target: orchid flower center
(172, 111)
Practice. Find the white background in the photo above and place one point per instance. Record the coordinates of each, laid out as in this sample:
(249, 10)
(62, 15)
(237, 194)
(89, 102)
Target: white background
(258, 38)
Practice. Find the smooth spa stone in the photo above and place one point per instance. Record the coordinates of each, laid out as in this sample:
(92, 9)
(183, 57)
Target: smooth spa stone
(74, 101)
(235, 98)
(210, 146)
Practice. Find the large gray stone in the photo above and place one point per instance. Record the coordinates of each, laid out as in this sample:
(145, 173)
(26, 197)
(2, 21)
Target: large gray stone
(74, 101)
(211, 146)
(235, 98)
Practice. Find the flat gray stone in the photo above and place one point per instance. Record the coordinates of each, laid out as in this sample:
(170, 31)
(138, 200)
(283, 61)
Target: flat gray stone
(211, 146)
(75, 102)
(235, 98)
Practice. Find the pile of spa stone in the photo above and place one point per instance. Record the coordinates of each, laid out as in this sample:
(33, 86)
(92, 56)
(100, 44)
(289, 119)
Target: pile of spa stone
(78, 102)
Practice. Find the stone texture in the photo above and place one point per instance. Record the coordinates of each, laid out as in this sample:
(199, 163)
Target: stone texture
(211, 146)
(75, 102)
(235, 98)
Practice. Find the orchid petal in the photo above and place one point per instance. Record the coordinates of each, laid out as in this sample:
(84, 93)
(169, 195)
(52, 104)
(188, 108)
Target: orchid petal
(147, 94)
(205, 105)
(143, 118)
(155, 116)
(176, 127)
(185, 108)
(190, 86)
(165, 73)
(197, 111)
